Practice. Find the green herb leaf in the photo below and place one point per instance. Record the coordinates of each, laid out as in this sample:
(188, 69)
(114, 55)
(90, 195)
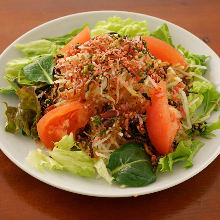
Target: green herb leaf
(96, 120)
(131, 166)
(163, 33)
(40, 70)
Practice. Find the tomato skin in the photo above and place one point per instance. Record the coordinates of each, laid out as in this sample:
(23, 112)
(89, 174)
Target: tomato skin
(164, 51)
(80, 38)
(162, 120)
(60, 121)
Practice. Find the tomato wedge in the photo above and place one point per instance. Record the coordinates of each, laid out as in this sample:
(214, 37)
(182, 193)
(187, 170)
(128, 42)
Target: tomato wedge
(80, 38)
(60, 121)
(164, 51)
(162, 120)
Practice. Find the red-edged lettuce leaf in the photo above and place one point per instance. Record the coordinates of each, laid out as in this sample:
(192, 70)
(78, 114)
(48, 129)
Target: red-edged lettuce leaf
(26, 115)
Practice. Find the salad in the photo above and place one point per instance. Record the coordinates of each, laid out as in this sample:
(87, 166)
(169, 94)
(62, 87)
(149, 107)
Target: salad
(117, 101)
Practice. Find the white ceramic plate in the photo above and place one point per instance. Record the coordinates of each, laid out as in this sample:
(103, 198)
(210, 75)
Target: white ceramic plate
(16, 147)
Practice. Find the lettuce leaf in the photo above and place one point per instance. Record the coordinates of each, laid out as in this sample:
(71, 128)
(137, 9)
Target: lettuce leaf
(185, 151)
(211, 100)
(26, 115)
(40, 160)
(38, 47)
(62, 157)
(102, 171)
(7, 89)
(67, 142)
(211, 103)
(127, 27)
(65, 39)
(76, 162)
(195, 101)
(212, 127)
(163, 33)
(202, 86)
(195, 59)
(14, 70)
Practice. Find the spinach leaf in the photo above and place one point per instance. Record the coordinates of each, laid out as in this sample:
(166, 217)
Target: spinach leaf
(14, 70)
(131, 166)
(40, 70)
(63, 40)
(26, 115)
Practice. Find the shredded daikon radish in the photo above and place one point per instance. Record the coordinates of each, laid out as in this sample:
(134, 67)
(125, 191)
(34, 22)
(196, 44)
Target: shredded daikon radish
(186, 108)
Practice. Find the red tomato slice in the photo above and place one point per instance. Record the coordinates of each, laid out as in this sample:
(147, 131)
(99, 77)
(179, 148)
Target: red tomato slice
(164, 51)
(60, 121)
(80, 38)
(162, 120)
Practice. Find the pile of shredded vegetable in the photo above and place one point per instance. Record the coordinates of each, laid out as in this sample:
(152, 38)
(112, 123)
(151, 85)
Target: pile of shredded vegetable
(114, 77)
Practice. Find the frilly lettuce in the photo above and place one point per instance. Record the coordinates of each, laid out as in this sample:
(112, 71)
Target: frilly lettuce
(26, 115)
(196, 100)
(202, 86)
(195, 59)
(66, 143)
(40, 160)
(123, 27)
(63, 157)
(185, 151)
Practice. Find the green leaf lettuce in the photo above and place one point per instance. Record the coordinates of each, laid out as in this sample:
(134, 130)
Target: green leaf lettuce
(185, 151)
(26, 115)
(64, 158)
(123, 27)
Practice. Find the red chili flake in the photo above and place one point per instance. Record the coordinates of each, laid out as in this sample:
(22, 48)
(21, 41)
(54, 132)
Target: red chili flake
(96, 140)
(140, 124)
(102, 47)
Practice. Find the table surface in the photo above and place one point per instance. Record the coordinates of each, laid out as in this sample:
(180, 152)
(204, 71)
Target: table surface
(23, 196)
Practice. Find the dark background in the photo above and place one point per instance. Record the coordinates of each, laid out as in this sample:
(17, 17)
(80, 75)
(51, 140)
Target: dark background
(23, 197)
